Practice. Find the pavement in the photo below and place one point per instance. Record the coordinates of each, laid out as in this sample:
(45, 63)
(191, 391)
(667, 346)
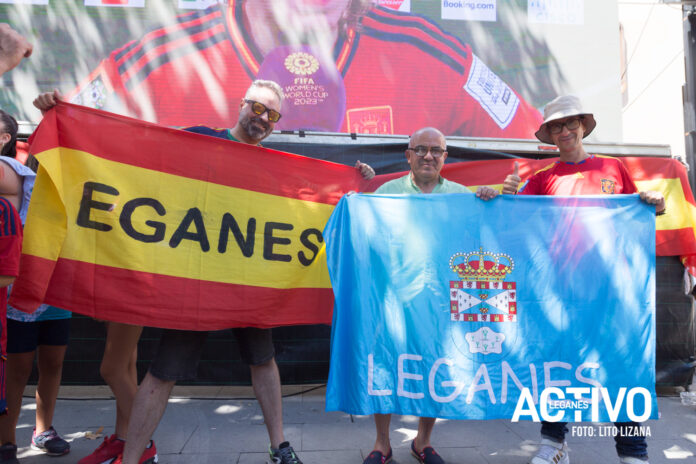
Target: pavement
(224, 425)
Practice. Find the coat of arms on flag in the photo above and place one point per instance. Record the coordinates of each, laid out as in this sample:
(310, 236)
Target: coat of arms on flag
(483, 296)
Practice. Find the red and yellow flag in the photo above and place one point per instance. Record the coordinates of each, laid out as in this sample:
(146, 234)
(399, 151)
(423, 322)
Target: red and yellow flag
(676, 230)
(142, 224)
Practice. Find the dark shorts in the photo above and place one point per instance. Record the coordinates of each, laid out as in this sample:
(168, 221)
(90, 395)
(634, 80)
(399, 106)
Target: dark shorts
(24, 337)
(179, 351)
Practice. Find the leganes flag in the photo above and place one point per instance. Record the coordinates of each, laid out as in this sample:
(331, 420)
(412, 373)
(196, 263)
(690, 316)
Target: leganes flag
(519, 307)
(143, 224)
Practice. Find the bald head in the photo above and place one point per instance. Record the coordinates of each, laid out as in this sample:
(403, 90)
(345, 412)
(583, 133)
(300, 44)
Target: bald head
(426, 154)
(429, 133)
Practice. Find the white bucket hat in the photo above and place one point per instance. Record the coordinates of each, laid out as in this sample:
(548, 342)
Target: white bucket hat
(563, 107)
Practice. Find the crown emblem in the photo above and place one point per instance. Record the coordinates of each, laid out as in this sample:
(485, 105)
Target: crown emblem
(481, 265)
(301, 63)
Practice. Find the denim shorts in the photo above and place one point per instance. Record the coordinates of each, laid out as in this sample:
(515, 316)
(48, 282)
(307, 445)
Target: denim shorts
(179, 351)
(24, 337)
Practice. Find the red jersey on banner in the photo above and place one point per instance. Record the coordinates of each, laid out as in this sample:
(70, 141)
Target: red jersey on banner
(592, 176)
(397, 72)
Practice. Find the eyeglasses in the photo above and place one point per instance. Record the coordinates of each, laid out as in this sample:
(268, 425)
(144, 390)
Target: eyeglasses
(557, 127)
(421, 151)
(260, 108)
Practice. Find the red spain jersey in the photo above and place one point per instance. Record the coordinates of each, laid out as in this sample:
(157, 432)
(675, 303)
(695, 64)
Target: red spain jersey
(592, 176)
(400, 72)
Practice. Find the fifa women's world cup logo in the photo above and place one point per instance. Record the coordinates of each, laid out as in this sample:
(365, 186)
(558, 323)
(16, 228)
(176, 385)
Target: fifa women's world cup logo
(483, 298)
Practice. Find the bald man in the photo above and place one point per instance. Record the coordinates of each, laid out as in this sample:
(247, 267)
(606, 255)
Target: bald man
(426, 154)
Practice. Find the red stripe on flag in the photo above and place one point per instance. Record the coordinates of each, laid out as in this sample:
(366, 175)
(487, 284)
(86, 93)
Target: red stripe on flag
(177, 152)
(147, 299)
(674, 242)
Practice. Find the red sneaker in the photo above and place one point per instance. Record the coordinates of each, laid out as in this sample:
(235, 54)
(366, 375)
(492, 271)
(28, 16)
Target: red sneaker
(109, 449)
(149, 456)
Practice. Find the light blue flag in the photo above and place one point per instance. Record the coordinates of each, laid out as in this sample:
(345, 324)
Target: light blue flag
(450, 306)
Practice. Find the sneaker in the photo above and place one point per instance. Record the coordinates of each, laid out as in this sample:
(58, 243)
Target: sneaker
(284, 454)
(8, 454)
(149, 456)
(376, 457)
(109, 449)
(551, 452)
(427, 455)
(49, 442)
(630, 460)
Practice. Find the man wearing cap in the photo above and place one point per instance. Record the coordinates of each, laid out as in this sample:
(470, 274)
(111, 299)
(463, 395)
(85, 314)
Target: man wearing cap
(579, 173)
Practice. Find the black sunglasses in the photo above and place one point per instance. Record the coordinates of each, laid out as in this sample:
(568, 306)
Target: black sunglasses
(260, 108)
(557, 127)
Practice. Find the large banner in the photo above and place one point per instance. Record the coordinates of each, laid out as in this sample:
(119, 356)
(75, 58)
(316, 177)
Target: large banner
(519, 307)
(142, 224)
(365, 66)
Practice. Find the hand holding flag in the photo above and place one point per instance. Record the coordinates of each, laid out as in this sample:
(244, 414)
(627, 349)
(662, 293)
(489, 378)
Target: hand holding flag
(653, 197)
(47, 100)
(485, 192)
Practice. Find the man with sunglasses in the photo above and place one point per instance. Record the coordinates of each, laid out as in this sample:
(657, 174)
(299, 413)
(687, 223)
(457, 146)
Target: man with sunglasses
(179, 350)
(579, 173)
(426, 154)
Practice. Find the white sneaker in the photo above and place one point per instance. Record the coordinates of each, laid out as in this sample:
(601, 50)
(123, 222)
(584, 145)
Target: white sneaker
(631, 460)
(551, 452)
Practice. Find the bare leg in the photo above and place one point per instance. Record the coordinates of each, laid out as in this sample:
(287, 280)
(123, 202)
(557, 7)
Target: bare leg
(382, 422)
(119, 371)
(425, 428)
(148, 408)
(266, 381)
(17, 371)
(50, 363)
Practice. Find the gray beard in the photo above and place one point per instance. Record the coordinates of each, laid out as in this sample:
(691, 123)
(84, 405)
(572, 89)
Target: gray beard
(253, 131)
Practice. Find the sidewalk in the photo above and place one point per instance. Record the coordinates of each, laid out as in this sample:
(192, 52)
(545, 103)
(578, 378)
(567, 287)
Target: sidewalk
(212, 428)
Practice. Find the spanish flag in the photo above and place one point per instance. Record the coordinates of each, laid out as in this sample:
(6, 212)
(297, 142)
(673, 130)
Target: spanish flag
(676, 230)
(143, 224)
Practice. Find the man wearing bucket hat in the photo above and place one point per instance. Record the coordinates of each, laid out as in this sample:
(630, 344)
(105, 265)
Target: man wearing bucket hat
(565, 125)
(579, 173)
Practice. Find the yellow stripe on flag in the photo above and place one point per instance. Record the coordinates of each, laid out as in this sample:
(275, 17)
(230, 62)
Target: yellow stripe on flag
(286, 250)
(682, 214)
